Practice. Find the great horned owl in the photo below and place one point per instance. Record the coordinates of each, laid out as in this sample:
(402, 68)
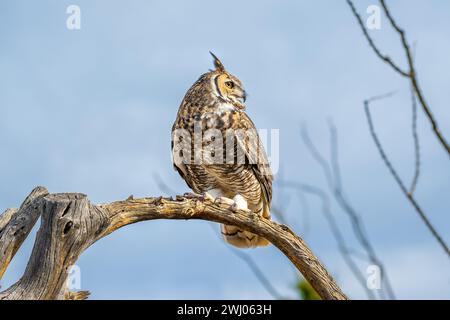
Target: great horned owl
(217, 150)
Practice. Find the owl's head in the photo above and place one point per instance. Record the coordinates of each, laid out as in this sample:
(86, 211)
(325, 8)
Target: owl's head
(226, 86)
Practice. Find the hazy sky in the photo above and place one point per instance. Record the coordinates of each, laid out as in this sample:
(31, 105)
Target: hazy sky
(91, 110)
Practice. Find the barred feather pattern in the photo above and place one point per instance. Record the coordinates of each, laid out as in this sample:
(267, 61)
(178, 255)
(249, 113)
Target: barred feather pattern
(203, 107)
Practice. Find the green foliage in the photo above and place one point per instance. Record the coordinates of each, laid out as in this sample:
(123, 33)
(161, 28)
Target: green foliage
(305, 290)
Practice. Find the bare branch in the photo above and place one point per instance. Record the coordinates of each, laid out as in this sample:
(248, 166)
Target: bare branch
(15, 225)
(334, 181)
(6, 217)
(399, 181)
(411, 74)
(377, 51)
(357, 223)
(305, 221)
(70, 224)
(415, 135)
(163, 186)
(415, 179)
(278, 209)
(79, 295)
(259, 274)
(254, 268)
(337, 234)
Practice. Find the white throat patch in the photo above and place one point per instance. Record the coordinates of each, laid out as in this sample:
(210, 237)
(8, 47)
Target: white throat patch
(225, 107)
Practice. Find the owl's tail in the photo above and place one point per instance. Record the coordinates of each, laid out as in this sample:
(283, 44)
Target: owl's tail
(244, 239)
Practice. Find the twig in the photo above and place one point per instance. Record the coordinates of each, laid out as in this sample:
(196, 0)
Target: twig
(254, 268)
(411, 74)
(357, 223)
(259, 274)
(334, 181)
(340, 240)
(399, 181)
(18, 224)
(377, 51)
(164, 187)
(415, 179)
(277, 210)
(305, 222)
(415, 135)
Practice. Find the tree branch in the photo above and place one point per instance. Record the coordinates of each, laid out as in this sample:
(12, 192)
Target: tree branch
(411, 74)
(333, 178)
(15, 225)
(372, 44)
(340, 240)
(70, 224)
(245, 257)
(415, 135)
(256, 270)
(397, 178)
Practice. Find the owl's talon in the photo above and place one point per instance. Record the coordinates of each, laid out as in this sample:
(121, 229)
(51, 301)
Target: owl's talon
(223, 200)
(190, 195)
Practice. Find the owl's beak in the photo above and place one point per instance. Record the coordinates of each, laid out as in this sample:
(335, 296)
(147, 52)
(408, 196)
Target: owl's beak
(239, 100)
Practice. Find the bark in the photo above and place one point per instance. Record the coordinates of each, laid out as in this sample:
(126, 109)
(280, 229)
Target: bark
(70, 224)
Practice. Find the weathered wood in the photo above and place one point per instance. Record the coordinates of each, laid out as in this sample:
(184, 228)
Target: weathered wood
(15, 225)
(70, 224)
(80, 295)
(6, 217)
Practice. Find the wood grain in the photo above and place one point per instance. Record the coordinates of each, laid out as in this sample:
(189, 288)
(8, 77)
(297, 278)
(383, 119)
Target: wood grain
(70, 224)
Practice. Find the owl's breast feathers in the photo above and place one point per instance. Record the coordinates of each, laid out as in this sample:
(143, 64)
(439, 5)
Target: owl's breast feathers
(223, 117)
(201, 109)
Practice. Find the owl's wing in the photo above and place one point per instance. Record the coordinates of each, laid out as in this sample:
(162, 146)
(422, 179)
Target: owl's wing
(180, 167)
(253, 149)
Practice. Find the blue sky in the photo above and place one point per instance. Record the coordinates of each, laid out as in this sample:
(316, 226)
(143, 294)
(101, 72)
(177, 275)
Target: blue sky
(91, 111)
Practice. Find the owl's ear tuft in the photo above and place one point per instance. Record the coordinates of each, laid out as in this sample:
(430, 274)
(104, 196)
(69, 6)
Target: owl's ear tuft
(217, 63)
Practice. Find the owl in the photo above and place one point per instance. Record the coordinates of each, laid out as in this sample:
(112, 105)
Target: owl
(217, 150)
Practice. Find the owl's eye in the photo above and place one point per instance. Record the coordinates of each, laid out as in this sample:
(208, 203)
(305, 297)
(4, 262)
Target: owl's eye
(229, 84)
